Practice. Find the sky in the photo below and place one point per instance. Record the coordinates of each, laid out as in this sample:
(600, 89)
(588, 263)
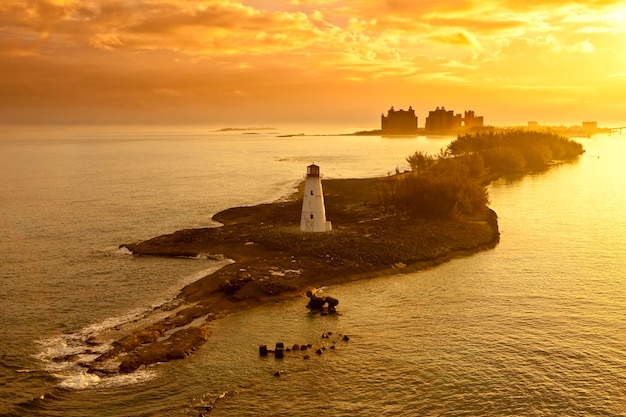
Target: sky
(337, 62)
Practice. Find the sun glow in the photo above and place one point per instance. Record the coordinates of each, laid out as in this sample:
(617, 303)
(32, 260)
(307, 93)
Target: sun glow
(315, 60)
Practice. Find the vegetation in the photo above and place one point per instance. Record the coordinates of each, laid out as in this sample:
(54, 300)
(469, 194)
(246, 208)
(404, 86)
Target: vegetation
(509, 151)
(450, 184)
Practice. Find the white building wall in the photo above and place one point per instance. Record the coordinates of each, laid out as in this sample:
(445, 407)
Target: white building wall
(313, 217)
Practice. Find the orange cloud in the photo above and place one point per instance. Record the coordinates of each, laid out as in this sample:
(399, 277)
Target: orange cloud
(157, 56)
(460, 38)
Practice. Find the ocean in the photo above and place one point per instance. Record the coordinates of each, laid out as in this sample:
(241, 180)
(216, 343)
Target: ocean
(536, 326)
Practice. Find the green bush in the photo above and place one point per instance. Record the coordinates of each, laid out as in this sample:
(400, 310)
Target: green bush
(420, 161)
(537, 156)
(502, 150)
(447, 185)
(440, 196)
(504, 160)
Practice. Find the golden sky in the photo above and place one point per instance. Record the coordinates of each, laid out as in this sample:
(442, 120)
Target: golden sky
(271, 62)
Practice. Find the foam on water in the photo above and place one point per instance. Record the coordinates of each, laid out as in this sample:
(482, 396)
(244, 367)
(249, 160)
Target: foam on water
(123, 250)
(74, 347)
(81, 379)
(78, 380)
(533, 327)
(67, 356)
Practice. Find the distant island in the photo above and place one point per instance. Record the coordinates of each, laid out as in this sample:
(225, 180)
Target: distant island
(238, 129)
(569, 131)
(388, 225)
(447, 122)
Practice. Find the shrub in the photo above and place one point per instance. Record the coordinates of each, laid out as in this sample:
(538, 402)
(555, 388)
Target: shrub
(420, 161)
(533, 144)
(440, 197)
(504, 160)
(446, 185)
(537, 156)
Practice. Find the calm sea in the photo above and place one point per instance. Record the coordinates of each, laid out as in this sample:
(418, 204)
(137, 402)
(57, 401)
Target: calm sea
(536, 326)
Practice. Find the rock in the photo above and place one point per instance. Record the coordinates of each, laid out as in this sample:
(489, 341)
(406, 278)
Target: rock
(178, 346)
(279, 352)
(91, 341)
(315, 303)
(332, 302)
(263, 350)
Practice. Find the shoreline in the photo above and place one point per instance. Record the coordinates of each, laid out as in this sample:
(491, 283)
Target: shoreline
(274, 261)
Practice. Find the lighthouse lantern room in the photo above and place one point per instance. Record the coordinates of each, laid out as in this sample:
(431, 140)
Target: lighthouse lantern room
(313, 217)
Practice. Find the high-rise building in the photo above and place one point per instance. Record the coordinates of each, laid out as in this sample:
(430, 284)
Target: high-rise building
(591, 126)
(399, 122)
(442, 120)
(471, 120)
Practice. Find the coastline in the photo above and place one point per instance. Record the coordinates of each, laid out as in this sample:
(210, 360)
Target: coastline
(274, 261)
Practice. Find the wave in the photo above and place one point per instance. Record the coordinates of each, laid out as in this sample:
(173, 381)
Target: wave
(123, 250)
(68, 356)
(84, 380)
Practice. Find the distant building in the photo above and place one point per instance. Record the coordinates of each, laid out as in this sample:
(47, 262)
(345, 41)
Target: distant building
(590, 126)
(471, 120)
(441, 120)
(533, 124)
(399, 122)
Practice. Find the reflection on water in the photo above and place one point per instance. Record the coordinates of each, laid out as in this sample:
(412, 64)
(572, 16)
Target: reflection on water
(535, 326)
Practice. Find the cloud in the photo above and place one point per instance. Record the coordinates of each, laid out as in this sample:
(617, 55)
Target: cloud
(585, 47)
(150, 51)
(460, 38)
(108, 41)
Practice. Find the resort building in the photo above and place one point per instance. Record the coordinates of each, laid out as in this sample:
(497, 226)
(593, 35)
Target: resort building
(592, 126)
(441, 120)
(471, 120)
(399, 122)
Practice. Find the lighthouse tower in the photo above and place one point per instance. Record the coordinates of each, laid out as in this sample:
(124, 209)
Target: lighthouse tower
(313, 218)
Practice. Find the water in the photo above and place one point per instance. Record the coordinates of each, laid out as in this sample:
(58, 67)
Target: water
(536, 326)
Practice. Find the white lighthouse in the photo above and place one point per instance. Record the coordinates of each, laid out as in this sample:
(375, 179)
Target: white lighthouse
(313, 218)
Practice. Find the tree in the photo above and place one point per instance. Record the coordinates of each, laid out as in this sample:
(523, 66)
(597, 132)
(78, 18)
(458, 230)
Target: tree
(420, 161)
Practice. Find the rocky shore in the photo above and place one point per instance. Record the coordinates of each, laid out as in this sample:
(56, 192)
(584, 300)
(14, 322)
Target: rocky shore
(273, 260)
